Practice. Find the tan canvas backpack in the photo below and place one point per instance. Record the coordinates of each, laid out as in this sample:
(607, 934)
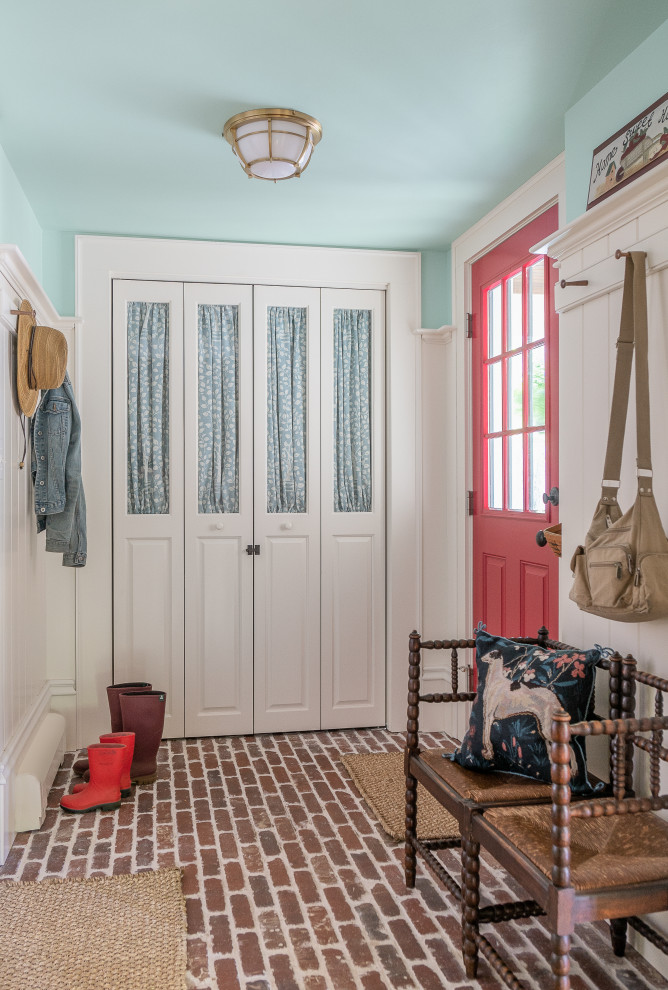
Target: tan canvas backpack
(622, 570)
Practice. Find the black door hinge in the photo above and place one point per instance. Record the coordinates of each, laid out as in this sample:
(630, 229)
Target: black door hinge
(469, 503)
(469, 325)
(253, 550)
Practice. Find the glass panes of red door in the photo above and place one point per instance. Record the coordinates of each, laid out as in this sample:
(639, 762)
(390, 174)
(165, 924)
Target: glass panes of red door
(514, 390)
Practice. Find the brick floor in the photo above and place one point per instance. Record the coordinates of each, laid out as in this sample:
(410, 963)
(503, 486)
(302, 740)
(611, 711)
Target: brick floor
(289, 882)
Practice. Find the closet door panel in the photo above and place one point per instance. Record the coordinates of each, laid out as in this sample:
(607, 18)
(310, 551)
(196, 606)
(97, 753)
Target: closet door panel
(353, 508)
(218, 480)
(148, 489)
(287, 508)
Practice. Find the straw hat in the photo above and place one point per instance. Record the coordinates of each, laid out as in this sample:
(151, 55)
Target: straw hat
(46, 350)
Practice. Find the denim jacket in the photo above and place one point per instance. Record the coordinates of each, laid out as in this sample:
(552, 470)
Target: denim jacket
(60, 505)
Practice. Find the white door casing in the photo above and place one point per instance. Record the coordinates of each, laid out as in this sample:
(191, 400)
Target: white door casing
(100, 260)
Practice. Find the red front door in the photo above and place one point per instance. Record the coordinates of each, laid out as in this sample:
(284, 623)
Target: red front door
(515, 434)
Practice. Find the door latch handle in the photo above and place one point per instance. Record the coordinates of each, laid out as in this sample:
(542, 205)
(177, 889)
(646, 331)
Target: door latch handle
(553, 497)
(253, 550)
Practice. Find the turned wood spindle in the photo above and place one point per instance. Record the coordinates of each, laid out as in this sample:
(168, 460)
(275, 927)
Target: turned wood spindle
(454, 670)
(560, 753)
(655, 754)
(628, 711)
(560, 961)
(470, 905)
(412, 749)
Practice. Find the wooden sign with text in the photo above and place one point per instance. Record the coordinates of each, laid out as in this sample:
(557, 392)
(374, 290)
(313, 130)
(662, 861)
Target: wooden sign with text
(635, 148)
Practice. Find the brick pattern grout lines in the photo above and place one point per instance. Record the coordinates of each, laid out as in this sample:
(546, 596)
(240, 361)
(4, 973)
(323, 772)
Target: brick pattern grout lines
(289, 882)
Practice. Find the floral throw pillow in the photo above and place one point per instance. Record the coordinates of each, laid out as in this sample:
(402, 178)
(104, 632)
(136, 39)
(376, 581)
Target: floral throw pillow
(519, 688)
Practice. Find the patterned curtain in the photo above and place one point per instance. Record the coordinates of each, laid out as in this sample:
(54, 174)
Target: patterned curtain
(286, 409)
(352, 410)
(218, 408)
(148, 408)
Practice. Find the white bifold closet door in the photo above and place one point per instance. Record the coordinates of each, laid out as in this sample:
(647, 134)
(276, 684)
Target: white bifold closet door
(287, 508)
(250, 419)
(148, 489)
(218, 493)
(352, 519)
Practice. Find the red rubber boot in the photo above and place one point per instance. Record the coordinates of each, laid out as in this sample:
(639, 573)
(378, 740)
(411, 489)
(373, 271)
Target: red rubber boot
(80, 767)
(144, 714)
(126, 739)
(104, 789)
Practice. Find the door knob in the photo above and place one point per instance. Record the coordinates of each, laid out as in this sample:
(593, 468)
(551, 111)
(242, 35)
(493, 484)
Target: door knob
(553, 497)
(287, 525)
(540, 538)
(219, 525)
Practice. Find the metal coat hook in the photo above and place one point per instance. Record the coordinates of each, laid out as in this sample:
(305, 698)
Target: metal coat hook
(582, 281)
(621, 254)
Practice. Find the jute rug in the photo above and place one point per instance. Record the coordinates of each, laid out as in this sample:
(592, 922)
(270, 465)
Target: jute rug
(379, 777)
(103, 933)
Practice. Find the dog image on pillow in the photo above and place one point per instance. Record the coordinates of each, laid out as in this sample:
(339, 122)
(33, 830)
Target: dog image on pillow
(502, 699)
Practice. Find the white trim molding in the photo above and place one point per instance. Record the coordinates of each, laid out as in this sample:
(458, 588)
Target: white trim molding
(541, 192)
(20, 276)
(443, 333)
(45, 749)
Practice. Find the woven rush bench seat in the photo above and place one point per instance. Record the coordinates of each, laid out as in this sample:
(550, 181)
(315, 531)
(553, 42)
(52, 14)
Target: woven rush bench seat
(609, 851)
(474, 787)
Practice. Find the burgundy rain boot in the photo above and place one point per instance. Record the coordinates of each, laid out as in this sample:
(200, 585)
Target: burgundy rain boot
(80, 767)
(104, 790)
(126, 739)
(144, 714)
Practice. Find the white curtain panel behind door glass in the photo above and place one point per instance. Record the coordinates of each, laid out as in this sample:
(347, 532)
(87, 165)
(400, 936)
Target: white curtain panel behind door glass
(148, 408)
(352, 410)
(286, 409)
(218, 408)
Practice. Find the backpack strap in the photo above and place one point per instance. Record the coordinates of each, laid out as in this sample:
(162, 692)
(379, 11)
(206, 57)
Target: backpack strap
(632, 332)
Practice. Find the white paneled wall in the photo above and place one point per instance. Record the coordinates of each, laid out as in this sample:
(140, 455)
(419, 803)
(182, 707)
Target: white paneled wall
(27, 685)
(636, 218)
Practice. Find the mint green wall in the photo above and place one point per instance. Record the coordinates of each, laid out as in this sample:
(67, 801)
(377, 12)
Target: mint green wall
(636, 83)
(58, 266)
(18, 223)
(436, 289)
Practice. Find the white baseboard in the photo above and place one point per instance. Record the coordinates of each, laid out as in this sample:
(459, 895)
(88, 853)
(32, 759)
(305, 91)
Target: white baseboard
(28, 765)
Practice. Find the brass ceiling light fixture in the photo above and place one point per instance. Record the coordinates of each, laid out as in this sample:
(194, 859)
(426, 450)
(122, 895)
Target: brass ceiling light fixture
(273, 143)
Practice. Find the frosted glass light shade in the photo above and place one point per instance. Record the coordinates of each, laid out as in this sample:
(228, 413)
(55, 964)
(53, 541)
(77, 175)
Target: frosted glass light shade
(273, 143)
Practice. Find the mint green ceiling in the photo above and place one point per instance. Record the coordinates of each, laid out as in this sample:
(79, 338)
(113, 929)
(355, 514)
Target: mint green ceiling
(432, 110)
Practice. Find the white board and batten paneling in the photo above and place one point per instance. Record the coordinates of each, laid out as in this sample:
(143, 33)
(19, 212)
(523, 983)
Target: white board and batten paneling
(290, 636)
(36, 674)
(635, 218)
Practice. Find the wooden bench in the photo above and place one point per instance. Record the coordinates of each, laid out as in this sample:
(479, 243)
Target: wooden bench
(474, 797)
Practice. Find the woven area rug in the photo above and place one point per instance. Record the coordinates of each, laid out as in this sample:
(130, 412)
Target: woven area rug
(379, 777)
(103, 933)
